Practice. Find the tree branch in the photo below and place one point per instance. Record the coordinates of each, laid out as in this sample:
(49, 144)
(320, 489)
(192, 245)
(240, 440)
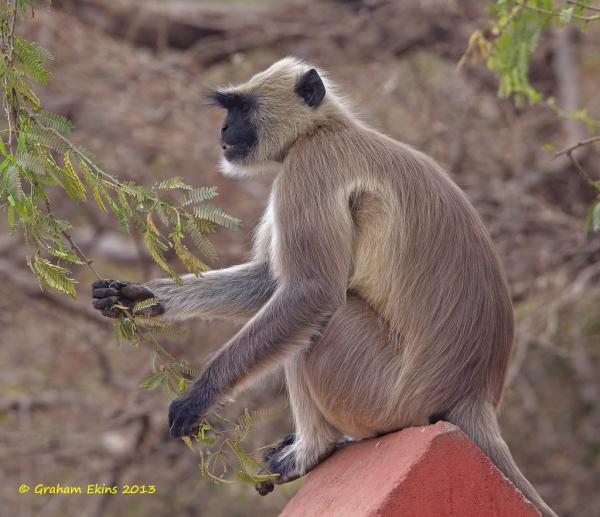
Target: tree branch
(587, 141)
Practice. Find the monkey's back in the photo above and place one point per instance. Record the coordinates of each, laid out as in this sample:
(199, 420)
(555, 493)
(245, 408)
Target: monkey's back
(425, 262)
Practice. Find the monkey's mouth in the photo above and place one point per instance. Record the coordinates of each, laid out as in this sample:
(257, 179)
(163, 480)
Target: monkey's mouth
(235, 152)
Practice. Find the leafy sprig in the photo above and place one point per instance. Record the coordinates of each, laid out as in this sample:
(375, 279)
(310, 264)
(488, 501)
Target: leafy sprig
(37, 158)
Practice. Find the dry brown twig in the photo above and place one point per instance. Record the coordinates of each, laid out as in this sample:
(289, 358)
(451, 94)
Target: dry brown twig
(568, 152)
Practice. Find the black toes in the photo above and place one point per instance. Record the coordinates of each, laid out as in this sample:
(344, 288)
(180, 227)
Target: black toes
(103, 303)
(265, 487)
(111, 312)
(288, 439)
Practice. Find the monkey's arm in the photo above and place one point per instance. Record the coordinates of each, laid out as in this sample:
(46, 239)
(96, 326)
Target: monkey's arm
(313, 260)
(238, 291)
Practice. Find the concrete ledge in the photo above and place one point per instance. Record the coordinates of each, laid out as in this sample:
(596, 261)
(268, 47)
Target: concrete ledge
(432, 471)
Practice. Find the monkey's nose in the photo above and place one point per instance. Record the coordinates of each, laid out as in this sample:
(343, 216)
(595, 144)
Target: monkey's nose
(225, 146)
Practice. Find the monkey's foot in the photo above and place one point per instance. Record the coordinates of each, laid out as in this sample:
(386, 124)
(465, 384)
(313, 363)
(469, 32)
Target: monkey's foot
(279, 460)
(291, 459)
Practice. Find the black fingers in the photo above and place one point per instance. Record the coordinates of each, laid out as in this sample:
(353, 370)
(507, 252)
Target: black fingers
(111, 312)
(136, 292)
(107, 293)
(103, 292)
(183, 417)
(103, 303)
(101, 283)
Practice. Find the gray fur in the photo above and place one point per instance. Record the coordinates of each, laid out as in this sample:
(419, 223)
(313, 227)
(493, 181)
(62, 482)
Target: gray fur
(374, 283)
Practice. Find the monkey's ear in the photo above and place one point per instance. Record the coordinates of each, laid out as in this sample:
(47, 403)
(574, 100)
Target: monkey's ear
(310, 88)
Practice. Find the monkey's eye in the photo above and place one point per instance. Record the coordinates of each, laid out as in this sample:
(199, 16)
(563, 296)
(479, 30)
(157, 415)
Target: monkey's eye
(245, 107)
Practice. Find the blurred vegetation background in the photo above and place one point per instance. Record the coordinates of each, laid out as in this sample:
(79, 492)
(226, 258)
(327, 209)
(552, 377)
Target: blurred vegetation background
(131, 75)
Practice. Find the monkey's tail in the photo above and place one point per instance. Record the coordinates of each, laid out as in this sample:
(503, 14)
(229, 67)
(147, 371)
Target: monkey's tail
(479, 422)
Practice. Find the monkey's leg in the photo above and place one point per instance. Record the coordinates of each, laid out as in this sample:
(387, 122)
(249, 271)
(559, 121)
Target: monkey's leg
(353, 373)
(313, 440)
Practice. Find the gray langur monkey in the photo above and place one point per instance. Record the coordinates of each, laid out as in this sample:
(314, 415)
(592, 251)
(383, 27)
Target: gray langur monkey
(373, 282)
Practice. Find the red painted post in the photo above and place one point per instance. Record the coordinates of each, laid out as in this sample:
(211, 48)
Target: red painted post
(432, 471)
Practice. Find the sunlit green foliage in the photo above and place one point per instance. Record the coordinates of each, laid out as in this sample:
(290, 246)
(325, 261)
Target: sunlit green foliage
(508, 46)
(39, 159)
(513, 36)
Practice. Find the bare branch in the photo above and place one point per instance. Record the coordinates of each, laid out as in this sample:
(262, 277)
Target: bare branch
(587, 141)
(588, 7)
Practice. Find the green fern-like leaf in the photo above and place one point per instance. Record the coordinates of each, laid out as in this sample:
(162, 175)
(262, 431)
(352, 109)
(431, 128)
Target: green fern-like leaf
(144, 304)
(251, 417)
(119, 212)
(54, 276)
(246, 477)
(137, 192)
(194, 229)
(248, 463)
(14, 186)
(124, 203)
(156, 248)
(198, 195)
(186, 370)
(15, 80)
(68, 256)
(217, 216)
(153, 380)
(124, 330)
(201, 225)
(95, 184)
(32, 54)
(166, 213)
(47, 138)
(71, 182)
(32, 163)
(55, 121)
(188, 259)
(172, 184)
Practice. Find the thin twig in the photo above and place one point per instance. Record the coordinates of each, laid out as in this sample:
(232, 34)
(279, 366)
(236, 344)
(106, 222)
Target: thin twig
(587, 141)
(588, 7)
(74, 246)
(8, 50)
(582, 172)
(556, 13)
(74, 149)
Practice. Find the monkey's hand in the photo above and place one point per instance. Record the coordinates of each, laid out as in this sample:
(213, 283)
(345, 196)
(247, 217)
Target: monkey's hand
(187, 410)
(108, 293)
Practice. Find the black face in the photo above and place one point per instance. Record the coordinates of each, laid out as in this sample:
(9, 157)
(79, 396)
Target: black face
(238, 134)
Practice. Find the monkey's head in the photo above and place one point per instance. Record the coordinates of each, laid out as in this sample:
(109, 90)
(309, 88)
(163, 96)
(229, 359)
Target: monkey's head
(267, 114)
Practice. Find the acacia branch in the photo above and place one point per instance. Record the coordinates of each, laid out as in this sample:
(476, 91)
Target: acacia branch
(556, 13)
(588, 7)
